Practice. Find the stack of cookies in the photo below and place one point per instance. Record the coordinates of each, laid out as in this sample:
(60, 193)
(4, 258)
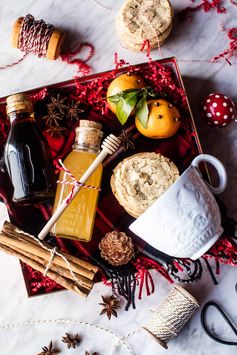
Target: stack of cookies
(138, 181)
(142, 20)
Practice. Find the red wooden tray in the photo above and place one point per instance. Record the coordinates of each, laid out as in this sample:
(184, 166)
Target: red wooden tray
(173, 147)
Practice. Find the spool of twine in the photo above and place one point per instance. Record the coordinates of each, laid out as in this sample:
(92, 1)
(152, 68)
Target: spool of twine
(171, 316)
(37, 37)
(44, 40)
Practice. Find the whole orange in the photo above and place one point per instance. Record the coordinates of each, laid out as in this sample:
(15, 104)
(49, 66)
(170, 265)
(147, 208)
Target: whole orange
(121, 83)
(163, 120)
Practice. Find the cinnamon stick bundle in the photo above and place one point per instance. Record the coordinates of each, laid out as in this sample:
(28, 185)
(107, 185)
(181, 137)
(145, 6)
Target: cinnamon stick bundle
(21, 245)
(12, 231)
(84, 282)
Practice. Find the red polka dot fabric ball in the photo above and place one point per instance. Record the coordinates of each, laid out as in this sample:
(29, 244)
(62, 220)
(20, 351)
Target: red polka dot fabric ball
(218, 110)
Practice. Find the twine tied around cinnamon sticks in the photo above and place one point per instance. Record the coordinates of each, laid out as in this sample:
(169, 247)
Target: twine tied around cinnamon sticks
(52, 252)
(70, 272)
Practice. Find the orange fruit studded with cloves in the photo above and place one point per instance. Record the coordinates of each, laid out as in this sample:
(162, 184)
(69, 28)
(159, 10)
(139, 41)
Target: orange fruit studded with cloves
(121, 83)
(164, 120)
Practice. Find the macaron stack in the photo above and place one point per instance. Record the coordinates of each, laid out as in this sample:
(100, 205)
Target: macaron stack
(141, 20)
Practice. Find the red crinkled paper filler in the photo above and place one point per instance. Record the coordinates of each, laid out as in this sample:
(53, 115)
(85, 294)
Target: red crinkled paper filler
(224, 251)
(231, 33)
(39, 284)
(204, 5)
(39, 95)
(157, 76)
(232, 50)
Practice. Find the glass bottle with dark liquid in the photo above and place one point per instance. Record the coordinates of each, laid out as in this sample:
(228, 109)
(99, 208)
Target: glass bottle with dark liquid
(26, 156)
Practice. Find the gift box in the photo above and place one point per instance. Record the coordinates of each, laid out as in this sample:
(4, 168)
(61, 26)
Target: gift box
(162, 76)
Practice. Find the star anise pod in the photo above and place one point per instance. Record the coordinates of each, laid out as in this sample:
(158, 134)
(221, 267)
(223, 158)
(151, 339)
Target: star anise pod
(56, 131)
(110, 305)
(52, 118)
(49, 350)
(71, 341)
(57, 103)
(73, 111)
(87, 353)
(126, 140)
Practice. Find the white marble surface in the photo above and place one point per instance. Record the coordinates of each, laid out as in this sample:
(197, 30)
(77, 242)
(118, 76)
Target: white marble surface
(199, 39)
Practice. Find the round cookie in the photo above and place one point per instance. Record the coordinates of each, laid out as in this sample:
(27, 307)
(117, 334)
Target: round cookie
(140, 20)
(158, 41)
(139, 180)
(145, 19)
(142, 29)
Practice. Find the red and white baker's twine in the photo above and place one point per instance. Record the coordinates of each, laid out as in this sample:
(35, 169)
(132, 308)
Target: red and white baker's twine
(34, 38)
(74, 181)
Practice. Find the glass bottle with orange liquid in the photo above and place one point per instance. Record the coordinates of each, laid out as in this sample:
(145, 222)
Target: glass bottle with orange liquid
(77, 221)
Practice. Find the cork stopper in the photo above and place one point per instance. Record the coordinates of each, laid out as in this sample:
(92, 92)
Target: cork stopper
(88, 135)
(19, 102)
(54, 45)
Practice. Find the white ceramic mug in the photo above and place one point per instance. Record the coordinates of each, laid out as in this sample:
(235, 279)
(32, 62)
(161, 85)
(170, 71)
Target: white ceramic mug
(185, 221)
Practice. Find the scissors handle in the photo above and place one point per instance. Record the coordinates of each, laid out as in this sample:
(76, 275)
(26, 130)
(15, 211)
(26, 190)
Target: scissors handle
(205, 327)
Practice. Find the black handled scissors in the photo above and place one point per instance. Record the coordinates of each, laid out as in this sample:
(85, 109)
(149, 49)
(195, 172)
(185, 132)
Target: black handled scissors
(226, 318)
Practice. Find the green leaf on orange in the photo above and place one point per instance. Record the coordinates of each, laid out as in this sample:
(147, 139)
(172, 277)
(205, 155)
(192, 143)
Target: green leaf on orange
(142, 111)
(123, 110)
(115, 98)
(126, 104)
(127, 100)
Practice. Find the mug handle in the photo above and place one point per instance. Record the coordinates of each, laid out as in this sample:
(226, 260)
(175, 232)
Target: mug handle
(219, 168)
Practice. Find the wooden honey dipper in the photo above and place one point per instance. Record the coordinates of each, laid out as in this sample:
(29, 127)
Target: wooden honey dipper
(109, 146)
